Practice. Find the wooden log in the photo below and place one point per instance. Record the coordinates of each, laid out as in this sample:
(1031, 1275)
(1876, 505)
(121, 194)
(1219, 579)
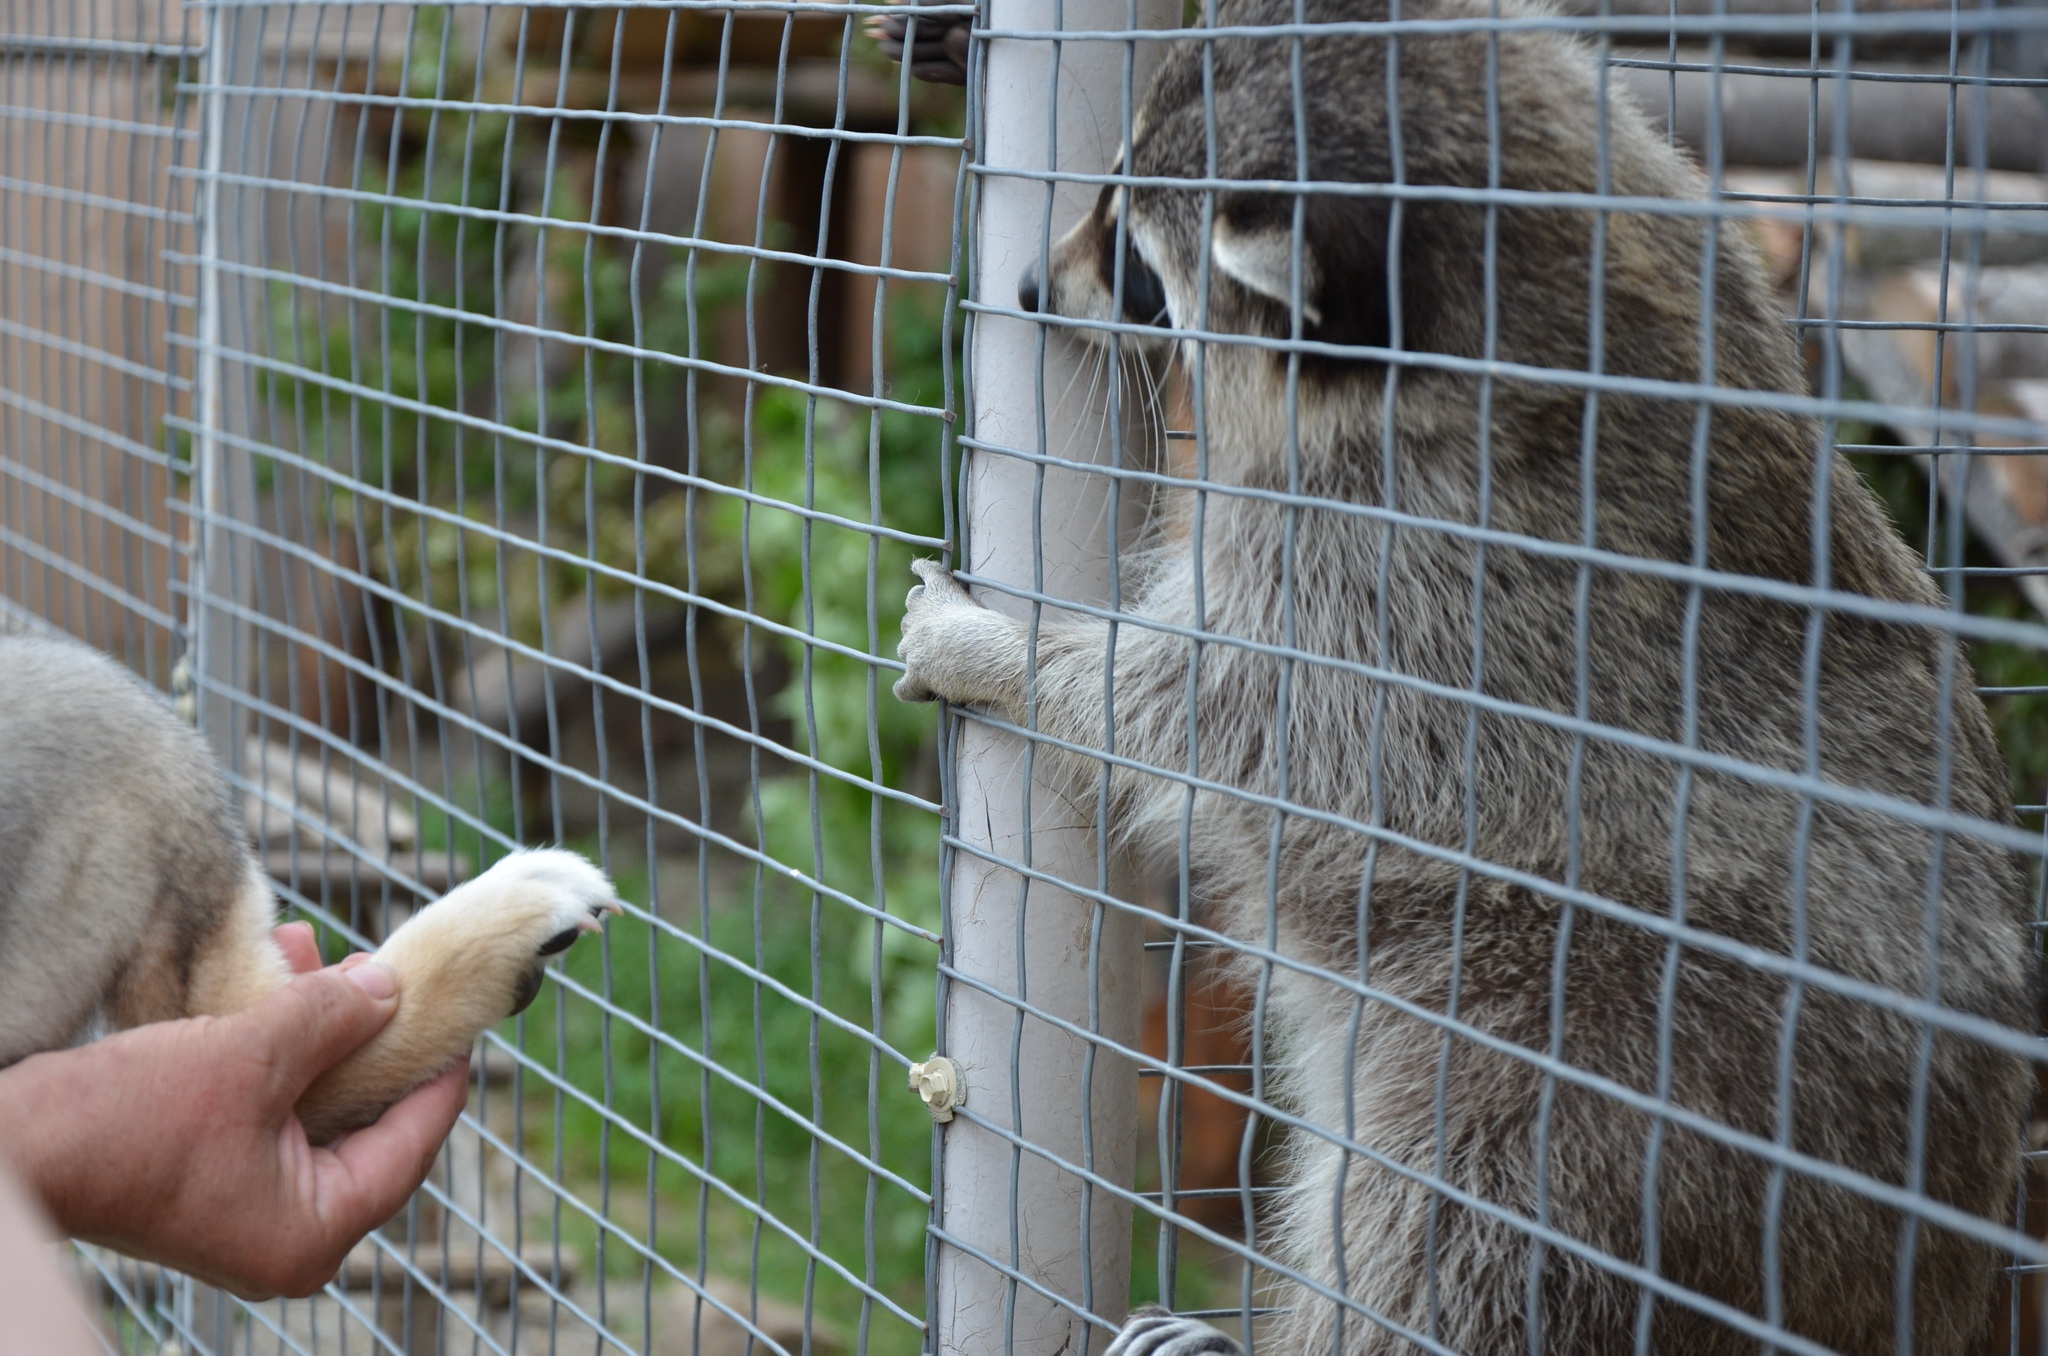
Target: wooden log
(2005, 498)
(922, 238)
(464, 1270)
(487, 1271)
(1764, 118)
(2000, 219)
(339, 873)
(1929, 42)
(506, 689)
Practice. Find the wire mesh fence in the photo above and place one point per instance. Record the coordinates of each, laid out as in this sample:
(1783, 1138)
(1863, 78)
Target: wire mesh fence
(1524, 570)
(537, 410)
(1493, 798)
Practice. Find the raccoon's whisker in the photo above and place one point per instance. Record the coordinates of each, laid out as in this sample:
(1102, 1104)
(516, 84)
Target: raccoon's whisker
(1089, 365)
(1108, 434)
(1098, 364)
(1158, 505)
(1152, 381)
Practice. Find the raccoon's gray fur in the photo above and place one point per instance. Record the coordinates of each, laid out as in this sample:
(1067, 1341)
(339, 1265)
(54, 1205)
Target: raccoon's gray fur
(1848, 888)
(127, 892)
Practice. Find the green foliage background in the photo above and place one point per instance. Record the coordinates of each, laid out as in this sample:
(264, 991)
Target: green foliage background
(725, 965)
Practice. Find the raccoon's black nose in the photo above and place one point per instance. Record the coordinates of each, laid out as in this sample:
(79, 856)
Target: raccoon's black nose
(1027, 290)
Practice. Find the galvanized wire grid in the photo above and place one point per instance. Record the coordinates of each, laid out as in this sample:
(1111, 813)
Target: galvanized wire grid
(537, 401)
(518, 419)
(95, 129)
(1940, 111)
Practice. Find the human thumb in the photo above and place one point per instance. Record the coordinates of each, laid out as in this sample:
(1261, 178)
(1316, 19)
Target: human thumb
(318, 1019)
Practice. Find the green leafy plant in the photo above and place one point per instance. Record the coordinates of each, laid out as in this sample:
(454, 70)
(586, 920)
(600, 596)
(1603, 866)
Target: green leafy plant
(706, 1058)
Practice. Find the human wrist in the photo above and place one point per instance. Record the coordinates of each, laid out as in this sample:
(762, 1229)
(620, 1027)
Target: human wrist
(48, 1117)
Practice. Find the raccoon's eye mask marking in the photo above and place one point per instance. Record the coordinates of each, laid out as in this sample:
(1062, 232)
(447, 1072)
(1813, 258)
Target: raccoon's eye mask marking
(1343, 250)
(1144, 294)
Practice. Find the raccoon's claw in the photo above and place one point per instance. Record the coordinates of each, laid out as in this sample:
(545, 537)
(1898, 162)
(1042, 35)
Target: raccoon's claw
(956, 649)
(593, 920)
(937, 580)
(589, 922)
(1153, 1331)
(924, 610)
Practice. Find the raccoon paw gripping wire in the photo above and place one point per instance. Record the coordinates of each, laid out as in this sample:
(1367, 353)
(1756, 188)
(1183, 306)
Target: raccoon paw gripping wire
(936, 52)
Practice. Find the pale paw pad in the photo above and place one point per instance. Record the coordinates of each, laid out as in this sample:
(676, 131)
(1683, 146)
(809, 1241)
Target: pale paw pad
(930, 616)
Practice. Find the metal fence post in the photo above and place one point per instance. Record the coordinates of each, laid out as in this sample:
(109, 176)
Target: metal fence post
(224, 475)
(1038, 527)
(220, 656)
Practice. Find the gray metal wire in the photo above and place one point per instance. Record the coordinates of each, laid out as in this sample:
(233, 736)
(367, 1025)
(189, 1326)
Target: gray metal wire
(1940, 432)
(510, 424)
(429, 376)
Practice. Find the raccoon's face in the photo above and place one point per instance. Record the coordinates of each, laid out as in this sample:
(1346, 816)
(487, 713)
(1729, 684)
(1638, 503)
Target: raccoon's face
(1273, 271)
(1098, 272)
(1262, 261)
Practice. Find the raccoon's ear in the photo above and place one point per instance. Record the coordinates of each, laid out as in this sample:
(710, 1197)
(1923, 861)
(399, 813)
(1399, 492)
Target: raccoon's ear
(1343, 259)
(1260, 254)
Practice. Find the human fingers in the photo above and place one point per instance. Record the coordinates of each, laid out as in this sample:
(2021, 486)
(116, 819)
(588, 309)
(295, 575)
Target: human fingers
(308, 1026)
(301, 950)
(367, 1176)
(331, 1197)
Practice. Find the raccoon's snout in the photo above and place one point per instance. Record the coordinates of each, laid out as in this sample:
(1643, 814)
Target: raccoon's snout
(1144, 294)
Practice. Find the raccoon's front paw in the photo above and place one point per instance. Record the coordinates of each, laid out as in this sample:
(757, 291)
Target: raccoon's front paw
(465, 962)
(953, 647)
(1153, 1331)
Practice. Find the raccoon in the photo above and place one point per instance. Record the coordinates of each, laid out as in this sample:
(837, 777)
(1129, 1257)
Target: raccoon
(1490, 745)
(128, 894)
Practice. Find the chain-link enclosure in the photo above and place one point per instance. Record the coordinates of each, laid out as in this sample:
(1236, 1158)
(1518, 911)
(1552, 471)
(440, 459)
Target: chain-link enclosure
(1491, 793)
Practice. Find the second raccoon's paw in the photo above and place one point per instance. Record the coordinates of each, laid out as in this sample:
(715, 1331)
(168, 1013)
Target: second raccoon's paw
(1153, 1331)
(464, 963)
(953, 648)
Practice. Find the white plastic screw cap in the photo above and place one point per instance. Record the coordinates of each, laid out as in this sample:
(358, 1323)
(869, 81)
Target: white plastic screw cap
(937, 1082)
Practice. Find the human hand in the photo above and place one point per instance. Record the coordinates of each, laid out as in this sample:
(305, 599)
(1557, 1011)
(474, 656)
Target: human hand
(177, 1142)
